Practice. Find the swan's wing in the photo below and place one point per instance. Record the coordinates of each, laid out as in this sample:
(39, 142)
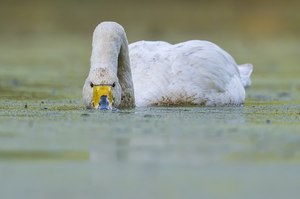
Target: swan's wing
(206, 73)
(204, 65)
(199, 71)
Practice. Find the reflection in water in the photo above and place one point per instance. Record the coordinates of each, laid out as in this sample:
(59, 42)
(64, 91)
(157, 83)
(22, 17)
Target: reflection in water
(181, 136)
(204, 152)
(122, 144)
(43, 155)
(183, 153)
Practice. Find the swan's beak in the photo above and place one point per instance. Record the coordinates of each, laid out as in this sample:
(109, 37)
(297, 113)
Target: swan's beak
(102, 97)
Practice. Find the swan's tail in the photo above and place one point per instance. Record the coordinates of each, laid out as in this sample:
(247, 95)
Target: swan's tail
(245, 72)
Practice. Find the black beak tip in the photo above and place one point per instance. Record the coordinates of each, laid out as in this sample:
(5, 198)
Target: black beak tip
(104, 103)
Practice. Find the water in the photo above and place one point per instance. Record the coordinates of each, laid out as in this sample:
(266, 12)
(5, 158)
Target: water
(57, 149)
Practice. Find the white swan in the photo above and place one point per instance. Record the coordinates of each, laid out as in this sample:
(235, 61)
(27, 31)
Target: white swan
(160, 74)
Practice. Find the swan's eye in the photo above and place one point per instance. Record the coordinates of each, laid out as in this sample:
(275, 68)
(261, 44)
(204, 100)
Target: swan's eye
(92, 85)
(114, 84)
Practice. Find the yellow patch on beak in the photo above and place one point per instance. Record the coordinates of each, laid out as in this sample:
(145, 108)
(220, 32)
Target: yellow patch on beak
(99, 91)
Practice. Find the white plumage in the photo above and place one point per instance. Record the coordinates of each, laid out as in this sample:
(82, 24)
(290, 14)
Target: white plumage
(189, 73)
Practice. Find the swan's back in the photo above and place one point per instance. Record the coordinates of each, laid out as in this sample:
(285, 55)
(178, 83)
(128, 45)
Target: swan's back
(193, 72)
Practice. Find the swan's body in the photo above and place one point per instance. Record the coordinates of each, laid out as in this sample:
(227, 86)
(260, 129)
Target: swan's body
(189, 73)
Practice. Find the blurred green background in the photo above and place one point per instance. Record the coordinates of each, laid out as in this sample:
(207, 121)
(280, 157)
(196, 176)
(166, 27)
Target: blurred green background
(169, 19)
(45, 45)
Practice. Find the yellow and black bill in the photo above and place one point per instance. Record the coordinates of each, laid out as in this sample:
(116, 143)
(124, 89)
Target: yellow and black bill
(102, 97)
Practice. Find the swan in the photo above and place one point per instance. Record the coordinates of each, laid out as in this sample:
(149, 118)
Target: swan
(157, 73)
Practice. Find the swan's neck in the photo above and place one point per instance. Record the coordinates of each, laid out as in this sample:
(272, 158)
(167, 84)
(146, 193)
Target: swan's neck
(110, 50)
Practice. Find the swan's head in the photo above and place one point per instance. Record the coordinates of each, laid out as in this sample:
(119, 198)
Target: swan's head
(101, 89)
